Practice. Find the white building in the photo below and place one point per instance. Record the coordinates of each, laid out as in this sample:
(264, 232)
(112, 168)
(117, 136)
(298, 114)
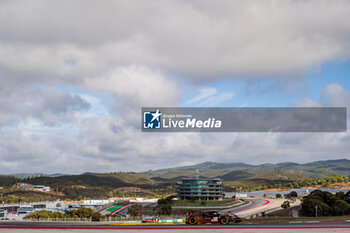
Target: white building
(41, 188)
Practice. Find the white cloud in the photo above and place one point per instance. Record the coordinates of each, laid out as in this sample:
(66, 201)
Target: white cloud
(117, 144)
(133, 87)
(46, 104)
(306, 102)
(214, 101)
(208, 97)
(334, 95)
(203, 94)
(139, 84)
(199, 38)
(130, 53)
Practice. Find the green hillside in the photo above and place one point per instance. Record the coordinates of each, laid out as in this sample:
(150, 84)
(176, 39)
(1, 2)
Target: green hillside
(115, 180)
(7, 180)
(15, 196)
(236, 176)
(238, 171)
(77, 187)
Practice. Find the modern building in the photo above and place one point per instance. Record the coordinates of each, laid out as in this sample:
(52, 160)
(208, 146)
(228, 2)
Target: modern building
(25, 210)
(15, 207)
(41, 188)
(200, 188)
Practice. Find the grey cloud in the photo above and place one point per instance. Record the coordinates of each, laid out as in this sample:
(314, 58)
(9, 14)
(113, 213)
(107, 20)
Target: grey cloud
(133, 87)
(199, 38)
(64, 103)
(124, 48)
(44, 103)
(97, 148)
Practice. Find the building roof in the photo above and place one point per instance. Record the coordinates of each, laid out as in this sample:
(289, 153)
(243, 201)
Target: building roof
(202, 178)
(31, 186)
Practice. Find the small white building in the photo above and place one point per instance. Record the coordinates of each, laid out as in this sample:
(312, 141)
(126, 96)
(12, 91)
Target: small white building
(96, 202)
(41, 188)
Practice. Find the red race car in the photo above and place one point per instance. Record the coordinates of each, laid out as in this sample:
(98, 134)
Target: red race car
(149, 220)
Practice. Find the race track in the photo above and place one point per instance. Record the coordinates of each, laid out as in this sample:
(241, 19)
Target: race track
(91, 227)
(31, 227)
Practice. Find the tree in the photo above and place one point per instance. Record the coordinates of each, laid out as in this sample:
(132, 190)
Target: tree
(58, 215)
(164, 206)
(340, 195)
(347, 197)
(84, 212)
(71, 214)
(340, 207)
(39, 215)
(96, 217)
(135, 210)
(285, 205)
(278, 195)
(294, 194)
(327, 204)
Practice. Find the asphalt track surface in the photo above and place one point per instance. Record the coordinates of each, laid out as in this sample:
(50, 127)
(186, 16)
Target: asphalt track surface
(252, 204)
(67, 225)
(58, 227)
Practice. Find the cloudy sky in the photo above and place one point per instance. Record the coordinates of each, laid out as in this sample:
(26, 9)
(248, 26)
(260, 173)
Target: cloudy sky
(75, 74)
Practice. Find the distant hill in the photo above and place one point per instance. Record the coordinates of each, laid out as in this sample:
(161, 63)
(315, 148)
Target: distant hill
(234, 174)
(120, 179)
(340, 164)
(55, 175)
(239, 171)
(32, 175)
(26, 175)
(207, 166)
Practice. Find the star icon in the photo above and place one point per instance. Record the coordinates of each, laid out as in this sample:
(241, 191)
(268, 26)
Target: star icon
(156, 115)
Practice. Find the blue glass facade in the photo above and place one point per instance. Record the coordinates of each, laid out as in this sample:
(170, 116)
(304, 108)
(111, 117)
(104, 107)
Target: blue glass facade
(200, 189)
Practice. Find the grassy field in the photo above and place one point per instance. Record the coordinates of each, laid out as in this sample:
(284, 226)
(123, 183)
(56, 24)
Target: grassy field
(203, 203)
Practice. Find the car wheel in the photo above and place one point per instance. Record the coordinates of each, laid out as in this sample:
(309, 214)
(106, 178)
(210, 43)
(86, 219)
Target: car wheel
(193, 220)
(224, 220)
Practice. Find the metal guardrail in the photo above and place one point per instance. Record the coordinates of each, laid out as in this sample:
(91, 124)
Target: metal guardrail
(107, 219)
